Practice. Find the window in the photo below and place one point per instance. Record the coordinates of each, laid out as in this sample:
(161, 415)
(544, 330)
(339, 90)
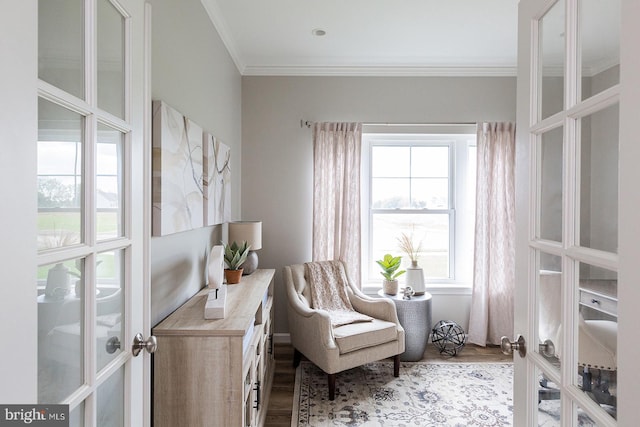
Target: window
(422, 185)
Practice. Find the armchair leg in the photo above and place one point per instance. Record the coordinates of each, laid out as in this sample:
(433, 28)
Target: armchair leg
(332, 386)
(296, 357)
(396, 365)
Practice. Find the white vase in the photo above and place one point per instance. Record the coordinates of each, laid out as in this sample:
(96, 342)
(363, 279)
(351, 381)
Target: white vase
(415, 279)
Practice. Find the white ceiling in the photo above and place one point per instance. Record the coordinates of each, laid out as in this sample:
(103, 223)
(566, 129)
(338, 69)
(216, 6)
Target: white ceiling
(369, 37)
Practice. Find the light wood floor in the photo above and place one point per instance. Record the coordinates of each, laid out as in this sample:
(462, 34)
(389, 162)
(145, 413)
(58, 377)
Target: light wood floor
(281, 400)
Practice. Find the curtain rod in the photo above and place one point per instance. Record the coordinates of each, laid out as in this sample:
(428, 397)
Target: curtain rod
(309, 123)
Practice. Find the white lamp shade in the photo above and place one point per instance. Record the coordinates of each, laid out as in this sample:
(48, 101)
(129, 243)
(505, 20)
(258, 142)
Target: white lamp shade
(246, 231)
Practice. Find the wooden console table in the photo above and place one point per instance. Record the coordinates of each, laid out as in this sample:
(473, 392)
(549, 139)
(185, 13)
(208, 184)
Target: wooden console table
(216, 372)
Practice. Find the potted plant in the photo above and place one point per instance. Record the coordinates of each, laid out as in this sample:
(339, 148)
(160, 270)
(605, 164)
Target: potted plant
(415, 275)
(234, 256)
(390, 266)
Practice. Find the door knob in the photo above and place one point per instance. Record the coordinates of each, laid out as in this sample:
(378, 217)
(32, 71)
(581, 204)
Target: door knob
(139, 344)
(509, 347)
(547, 348)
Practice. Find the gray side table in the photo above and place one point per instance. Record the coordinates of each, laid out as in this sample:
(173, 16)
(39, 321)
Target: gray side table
(415, 317)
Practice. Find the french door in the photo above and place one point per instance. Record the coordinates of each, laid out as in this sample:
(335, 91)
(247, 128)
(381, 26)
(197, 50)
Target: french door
(577, 247)
(82, 157)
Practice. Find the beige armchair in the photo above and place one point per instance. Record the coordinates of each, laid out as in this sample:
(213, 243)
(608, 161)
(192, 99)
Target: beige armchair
(335, 349)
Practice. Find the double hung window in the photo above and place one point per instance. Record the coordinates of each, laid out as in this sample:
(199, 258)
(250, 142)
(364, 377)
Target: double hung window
(422, 185)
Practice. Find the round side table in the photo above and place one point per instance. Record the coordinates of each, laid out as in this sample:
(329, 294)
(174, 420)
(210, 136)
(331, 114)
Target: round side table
(415, 317)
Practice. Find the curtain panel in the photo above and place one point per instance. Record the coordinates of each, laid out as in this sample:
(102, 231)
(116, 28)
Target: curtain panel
(491, 314)
(336, 195)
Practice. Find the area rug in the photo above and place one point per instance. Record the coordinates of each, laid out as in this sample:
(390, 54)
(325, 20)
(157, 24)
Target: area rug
(426, 394)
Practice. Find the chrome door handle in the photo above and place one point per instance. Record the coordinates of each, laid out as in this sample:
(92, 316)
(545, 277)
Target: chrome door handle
(518, 345)
(139, 344)
(547, 348)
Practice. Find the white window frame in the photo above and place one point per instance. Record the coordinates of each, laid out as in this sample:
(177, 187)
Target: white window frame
(461, 225)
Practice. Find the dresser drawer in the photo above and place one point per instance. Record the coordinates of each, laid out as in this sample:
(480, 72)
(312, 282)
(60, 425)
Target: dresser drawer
(596, 301)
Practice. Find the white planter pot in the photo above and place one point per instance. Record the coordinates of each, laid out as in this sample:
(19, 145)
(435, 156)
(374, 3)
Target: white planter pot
(390, 287)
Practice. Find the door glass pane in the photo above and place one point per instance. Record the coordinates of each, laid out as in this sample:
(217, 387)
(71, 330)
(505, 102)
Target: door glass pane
(552, 59)
(431, 229)
(110, 59)
(549, 409)
(110, 396)
(550, 307)
(599, 45)
(60, 183)
(599, 180)
(60, 329)
(109, 183)
(550, 160)
(76, 417)
(597, 335)
(583, 419)
(60, 44)
(109, 306)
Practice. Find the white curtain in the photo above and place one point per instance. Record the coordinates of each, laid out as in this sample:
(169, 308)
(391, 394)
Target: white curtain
(491, 314)
(336, 194)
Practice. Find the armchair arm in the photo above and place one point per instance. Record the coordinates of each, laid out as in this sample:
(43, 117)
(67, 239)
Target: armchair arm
(380, 308)
(308, 327)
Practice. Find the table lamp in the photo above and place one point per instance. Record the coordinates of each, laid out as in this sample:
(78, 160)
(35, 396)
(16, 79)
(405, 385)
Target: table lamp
(250, 232)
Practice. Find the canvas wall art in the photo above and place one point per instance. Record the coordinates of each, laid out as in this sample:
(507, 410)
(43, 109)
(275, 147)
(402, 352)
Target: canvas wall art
(178, 184)
(217, 184)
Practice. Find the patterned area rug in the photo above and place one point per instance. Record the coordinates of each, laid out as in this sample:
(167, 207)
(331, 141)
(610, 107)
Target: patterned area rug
(425, 394)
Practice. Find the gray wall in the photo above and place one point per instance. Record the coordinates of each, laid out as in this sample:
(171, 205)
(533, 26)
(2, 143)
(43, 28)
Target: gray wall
(277, 152)
(193, 72)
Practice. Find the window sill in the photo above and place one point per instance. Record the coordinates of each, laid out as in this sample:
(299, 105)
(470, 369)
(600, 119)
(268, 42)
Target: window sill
(372, 288)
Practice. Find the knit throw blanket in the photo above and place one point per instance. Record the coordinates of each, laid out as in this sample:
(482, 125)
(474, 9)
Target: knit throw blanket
(328, 285)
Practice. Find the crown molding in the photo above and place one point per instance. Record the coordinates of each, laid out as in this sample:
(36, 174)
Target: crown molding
(215, 15)
(380, 71)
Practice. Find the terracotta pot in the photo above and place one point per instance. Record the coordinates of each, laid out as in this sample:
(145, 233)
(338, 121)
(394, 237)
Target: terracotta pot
(233, 276)
(390, 287)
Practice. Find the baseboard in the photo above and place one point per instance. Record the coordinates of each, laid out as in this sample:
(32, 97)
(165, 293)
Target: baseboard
(281, 338)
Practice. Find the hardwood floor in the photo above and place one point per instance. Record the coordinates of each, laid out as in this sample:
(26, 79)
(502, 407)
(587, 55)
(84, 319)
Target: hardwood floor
(280, 402)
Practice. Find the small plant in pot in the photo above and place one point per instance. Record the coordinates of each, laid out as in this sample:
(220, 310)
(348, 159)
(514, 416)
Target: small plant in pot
(390, 265)
(234, 256)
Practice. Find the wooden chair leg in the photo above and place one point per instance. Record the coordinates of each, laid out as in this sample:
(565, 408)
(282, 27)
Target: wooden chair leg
(332, 386)
(396, 365)
(296, 358)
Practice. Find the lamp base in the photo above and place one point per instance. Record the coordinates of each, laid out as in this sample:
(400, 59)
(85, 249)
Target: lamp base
(251, 264)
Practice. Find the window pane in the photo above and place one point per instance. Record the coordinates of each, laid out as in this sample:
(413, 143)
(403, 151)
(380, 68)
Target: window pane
(390, 193)
(430, 193)
(599, 180)
(600, 45)
(430, 162)
(550, 160)
(60, 46)
(60, 183)
(390, 161)
(552, 56)
(110, 59)
(549, 308)
(109, 183)
(430, 229)
(110, 400)
(109, 302)
(60, 329)
(598, 335)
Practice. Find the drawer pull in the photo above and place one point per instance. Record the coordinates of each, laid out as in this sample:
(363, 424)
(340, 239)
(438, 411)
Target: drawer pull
(595, 301)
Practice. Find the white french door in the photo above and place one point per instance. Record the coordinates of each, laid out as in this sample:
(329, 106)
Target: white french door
(84, 161)
(576, 241)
